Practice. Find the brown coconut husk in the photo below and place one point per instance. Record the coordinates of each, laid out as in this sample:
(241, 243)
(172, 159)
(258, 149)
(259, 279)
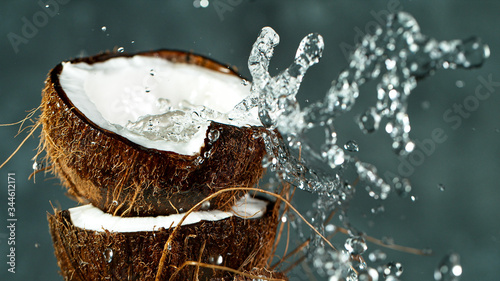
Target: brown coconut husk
(261, 272)
(85, 255)
(257, 273)
(123, 178)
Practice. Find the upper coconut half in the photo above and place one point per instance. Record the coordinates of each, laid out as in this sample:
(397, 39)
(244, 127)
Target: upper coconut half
(150, 134)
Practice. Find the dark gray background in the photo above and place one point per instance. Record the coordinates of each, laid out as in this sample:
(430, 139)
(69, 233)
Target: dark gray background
(464, 218)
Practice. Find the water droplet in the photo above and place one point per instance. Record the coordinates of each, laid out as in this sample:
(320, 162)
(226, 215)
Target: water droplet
(132, 42)
(219, 260)
(334, 155)
(114, 203)
(330, 228)
(376, 188)
(207, 153)
(37, 245)
(104, 28)
(409, 147)
(266, 162)
(390, 64)
(413, 198)
(441, 187)
(425, 105)
(37, 166)
(47, 6)
(199, 160)
(108, 255)
(201, 3)
(213, 135)
(393, 269)
(355, 245)
(205, 205)
(169, 247)
(460, 84)
(377, 210)
(121, 50)
(351, 146)
(216, 260)
(401, 186)
(377, 192)
(245, 82)
(449, 269)
(377, 256)
(370, 274)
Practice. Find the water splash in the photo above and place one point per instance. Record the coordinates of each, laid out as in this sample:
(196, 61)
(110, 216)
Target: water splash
(397, 55)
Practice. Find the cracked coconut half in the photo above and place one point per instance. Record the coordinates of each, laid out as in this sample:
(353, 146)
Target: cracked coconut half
(150, 134)
(141, 139)
(92, 245)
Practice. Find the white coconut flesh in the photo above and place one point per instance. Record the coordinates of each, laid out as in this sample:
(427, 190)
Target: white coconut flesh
(91, 218)
(120, 92)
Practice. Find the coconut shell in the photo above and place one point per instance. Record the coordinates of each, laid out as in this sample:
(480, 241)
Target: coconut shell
(255, 273)
(123, 178)
(90, 255)
(260, 272)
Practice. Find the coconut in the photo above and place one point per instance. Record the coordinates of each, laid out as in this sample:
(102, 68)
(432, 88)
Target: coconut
(257, 273)
(242, 241)
(260, 272)
(113, 132)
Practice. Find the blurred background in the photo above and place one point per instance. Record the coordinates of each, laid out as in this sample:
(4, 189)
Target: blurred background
(456, 187)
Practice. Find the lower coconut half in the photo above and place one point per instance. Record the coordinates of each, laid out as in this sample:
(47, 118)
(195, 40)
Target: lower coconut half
(93, 245)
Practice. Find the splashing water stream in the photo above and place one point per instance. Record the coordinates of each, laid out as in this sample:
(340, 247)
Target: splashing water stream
(398, 55)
